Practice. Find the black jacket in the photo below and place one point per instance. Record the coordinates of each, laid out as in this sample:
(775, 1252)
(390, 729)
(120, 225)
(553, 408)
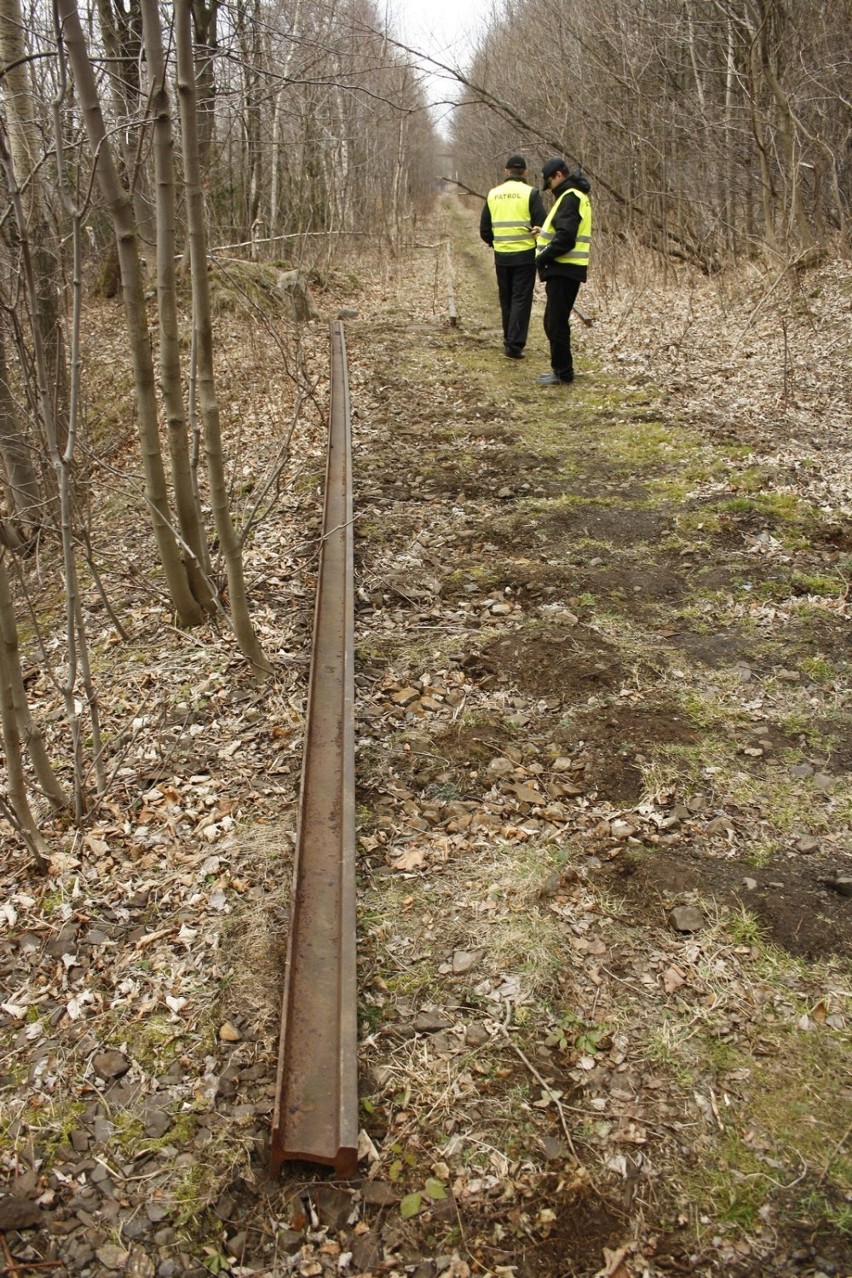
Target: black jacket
(565, 226)
(486, 233)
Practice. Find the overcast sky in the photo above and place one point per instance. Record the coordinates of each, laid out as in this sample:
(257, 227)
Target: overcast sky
(444, 30)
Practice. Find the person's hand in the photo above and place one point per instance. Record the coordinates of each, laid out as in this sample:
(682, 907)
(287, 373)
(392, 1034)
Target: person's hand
(535, 230)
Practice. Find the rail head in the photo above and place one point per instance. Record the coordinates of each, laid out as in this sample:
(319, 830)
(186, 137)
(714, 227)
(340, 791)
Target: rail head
(315, 1118)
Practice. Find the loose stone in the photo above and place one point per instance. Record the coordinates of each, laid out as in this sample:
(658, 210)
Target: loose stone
(686, 918)
(111, 1064)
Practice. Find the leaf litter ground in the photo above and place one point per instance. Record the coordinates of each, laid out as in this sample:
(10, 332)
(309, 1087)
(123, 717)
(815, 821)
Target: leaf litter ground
(604, 816)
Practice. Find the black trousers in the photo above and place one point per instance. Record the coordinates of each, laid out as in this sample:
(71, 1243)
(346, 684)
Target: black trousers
(515, 285)
(561, 296)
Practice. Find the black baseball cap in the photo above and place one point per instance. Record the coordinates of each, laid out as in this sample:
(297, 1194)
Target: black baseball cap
(516, 162)
(556, 165)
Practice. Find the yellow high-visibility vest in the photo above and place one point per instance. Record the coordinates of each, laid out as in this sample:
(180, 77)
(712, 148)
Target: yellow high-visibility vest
(509, 205)
(579, 255)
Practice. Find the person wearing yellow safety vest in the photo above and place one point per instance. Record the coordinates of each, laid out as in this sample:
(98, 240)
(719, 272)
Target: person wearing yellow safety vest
(562, 261)
(511, 218)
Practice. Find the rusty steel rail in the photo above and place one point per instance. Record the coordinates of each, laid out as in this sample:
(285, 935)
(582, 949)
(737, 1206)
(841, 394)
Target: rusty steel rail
(316, 1105)
(451, 293)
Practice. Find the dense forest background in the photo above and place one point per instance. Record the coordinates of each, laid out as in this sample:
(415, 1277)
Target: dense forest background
(715, 130)
(142, 144)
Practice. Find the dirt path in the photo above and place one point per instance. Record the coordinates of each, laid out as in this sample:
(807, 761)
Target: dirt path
(604, 677)
(675, 603)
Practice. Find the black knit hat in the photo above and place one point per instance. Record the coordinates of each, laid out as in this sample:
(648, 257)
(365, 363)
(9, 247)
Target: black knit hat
(516, 162)
(556, 165)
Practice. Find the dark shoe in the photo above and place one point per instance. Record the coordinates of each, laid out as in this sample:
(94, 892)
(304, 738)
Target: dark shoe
(511, 352)
(553, 379)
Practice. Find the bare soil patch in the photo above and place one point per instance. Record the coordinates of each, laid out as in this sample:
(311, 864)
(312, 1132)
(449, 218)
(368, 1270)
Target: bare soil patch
(794, 904)
(560, 665)
(611, 523)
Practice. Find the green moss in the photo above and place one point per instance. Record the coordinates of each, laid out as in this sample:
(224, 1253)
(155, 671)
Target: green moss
(799, 584)
(818, 669)
(744, 928)
(821, 1210)
(128, 1130)
(181, 1133)
(564, 501)
(775, 1131)
(781, 797)
(417, 979)
(191, 1197)
(739, 1187)
(308, 481)
(369, 1018)
(50, 1126)
(155, 1042)
(795, 722)
(762, 853)
(689, 523)
(241, 286)
(639, 442)
(753, 479)
(787, 507)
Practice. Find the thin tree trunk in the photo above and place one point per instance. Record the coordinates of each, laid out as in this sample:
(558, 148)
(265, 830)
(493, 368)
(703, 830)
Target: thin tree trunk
(119, 204)
(186, 503)
(77, 646)
(396, 189)
(13, 681)
(275, 162)
(120, 34)
(247, 25)
(728, 135)
(760, 130)
(16, 454)
(205, 14)
(277, 111)
(75, 622)
(15, 778)
(202, 323)
(797, 218)
(25, 147)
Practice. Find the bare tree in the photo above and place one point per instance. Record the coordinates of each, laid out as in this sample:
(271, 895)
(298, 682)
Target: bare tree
(61, 459)
(278, 106)
(17, 805)
(203, 331)
(205, 16)
(121, 32)
(118, 201)
(17, 450)
(14, 696)
(249, 44)
(318, 93)
(186, 496)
